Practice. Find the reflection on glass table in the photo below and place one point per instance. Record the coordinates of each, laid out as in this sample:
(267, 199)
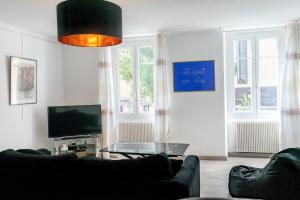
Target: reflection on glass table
(146, 149)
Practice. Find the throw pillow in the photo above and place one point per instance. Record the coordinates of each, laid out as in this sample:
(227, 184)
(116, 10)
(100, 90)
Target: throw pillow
(37, 152)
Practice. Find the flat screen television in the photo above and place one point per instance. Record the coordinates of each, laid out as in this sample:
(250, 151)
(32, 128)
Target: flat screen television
(72, 121)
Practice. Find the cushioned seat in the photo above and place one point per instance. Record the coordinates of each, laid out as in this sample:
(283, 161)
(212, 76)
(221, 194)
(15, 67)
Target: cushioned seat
(279, 180)
(33, 174)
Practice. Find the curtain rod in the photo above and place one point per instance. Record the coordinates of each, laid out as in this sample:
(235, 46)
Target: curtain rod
(142, 35)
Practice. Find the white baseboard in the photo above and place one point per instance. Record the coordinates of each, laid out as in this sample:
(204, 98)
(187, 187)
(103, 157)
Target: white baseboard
(223, 158)
(250, 155)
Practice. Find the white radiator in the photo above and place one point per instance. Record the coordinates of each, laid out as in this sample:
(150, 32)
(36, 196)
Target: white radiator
(135, 131)
(257, 136)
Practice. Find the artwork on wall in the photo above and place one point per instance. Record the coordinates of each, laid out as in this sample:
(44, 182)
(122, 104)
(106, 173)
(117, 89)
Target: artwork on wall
(23, 88)
(194, 76)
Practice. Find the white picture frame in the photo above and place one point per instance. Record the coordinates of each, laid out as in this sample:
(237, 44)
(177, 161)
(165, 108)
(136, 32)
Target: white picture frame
(23, 82)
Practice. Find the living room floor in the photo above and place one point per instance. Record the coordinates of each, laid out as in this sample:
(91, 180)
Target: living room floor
(214, 174)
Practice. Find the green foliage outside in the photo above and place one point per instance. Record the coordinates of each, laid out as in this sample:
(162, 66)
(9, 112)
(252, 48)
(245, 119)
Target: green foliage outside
(125, 63)
(146, 73)
(146, 76)
(146, 69)
(245, 103)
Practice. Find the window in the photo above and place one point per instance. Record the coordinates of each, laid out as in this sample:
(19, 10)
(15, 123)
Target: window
(134, 77)
(253, 61)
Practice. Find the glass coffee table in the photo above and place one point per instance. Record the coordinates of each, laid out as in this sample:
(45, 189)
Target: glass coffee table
(147, 149)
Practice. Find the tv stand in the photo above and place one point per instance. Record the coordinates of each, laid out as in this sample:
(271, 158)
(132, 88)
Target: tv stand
(82, 145)
(76, 137)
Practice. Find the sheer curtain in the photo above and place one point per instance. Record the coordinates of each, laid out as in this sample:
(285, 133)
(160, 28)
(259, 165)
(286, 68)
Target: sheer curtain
(290, 93)
(106, 97)
(162, 92)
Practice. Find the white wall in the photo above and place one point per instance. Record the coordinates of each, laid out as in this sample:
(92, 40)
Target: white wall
(26, 126)
(81, 75)
(198, 118)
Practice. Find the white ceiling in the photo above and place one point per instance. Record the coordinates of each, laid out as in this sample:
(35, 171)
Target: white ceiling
(149, 16)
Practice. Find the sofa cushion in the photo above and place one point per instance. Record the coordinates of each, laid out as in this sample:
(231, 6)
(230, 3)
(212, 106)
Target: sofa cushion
(154, 167)
(21, 164)
(27, 154)
(33, 151)
(23, 167)
(176, 165)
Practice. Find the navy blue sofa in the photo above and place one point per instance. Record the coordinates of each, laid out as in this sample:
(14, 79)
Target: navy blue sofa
(32, 174)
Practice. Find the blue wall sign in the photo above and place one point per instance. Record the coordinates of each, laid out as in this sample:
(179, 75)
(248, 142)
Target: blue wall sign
(194, 76)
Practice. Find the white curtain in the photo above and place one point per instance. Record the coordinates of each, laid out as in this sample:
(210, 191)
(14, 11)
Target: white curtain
(162, 92)
(290, 93)
(106, 97)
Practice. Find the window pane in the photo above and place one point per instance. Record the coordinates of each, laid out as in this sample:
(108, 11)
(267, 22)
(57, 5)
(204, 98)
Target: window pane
(146, 88)
(242, 53)
(243, 85)
(268, 74)
(146, 79)
(268, 98)
(145, 55)
(268, 81)
(242, 49)
(242, 75)
(243, 99)
(126, 80)
(268, 47)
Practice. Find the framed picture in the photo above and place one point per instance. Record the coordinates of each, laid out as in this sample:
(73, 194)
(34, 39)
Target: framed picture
(194, 76)
(23, 82)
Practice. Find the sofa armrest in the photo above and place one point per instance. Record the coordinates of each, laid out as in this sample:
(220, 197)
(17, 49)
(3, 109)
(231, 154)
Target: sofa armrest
(186, 183)
(189, 176)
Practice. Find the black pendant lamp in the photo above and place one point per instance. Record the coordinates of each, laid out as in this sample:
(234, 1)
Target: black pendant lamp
(89, 23)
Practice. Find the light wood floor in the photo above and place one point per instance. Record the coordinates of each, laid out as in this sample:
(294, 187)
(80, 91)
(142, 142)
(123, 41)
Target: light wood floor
(214, 174)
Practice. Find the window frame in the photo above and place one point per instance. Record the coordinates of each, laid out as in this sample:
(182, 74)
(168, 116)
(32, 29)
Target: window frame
(134, 43)
(254, 37)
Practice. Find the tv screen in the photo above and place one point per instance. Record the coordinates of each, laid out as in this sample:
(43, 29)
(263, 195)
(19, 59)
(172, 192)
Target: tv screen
(65, 121)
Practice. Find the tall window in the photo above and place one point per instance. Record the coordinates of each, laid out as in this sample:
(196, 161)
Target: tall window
(253, 61)
(134, 70)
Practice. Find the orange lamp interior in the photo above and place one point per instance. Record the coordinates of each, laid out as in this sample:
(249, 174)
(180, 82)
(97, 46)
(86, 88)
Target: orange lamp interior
(89, 40)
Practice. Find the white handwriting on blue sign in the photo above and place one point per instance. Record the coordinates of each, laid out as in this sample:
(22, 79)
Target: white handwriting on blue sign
(185, 81)
(194, 72)
(198, 81)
